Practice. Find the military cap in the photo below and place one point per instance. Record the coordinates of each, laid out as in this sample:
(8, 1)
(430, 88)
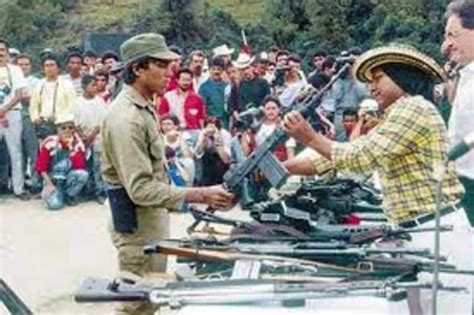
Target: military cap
(396, 54)
(146, 45)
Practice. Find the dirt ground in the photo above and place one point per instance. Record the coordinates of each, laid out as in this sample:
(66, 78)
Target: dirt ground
(46, 254)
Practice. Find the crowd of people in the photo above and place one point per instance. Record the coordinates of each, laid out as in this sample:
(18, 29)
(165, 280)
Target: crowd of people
(52, 141)
(156, 129)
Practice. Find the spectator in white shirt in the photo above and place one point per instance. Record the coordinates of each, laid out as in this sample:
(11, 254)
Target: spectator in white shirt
(89, 114)
(12, 91)
(459, 45)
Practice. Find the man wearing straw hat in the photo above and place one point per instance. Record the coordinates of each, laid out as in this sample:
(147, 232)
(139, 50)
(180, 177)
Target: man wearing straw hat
(133, 163)
(406, 148)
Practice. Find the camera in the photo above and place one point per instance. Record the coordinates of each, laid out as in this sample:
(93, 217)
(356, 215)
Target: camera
(250, 119)
(4, 92)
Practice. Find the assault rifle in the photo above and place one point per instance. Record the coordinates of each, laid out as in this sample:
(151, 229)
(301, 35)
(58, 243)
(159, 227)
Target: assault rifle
(12, 301)
(262, 158)
(351, 234)
(224, 292)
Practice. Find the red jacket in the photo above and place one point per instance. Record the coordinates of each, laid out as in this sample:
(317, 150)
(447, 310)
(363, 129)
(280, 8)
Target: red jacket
(194, 108)
(50, 145)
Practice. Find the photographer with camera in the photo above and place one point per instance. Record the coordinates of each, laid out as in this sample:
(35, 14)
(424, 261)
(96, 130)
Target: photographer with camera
(347, 92)
(289, 82)
(366, 119)
(212, 150)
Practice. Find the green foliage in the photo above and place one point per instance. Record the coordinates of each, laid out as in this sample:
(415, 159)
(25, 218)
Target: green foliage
(302, 26)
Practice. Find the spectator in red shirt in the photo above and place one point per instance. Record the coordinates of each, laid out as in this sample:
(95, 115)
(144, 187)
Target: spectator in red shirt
(185, 104)
(61, 163)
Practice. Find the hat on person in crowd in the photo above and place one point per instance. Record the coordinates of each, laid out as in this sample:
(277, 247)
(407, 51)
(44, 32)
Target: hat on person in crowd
(369, 105)
(262, 57)
(243, 61)
(396, 55)
(46, 51)
(146, 45)
(222, 50)
(13, 52)
(64, 118)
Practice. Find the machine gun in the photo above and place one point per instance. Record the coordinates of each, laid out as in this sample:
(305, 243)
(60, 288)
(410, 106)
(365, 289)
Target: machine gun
(350, 234)
(263, 159)
(224, 292)
(321, 202)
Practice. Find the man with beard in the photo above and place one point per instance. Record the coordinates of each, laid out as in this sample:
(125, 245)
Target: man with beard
(196, 65)
(185, 104)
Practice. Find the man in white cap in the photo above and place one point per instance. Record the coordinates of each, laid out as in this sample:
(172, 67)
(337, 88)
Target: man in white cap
(252, 88)
(224, 52)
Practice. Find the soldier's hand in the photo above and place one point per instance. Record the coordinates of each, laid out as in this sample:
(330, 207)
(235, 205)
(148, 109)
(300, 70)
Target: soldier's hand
(297, 127)
(218, 198)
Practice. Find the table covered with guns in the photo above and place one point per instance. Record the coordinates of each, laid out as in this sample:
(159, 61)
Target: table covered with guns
(327, 238)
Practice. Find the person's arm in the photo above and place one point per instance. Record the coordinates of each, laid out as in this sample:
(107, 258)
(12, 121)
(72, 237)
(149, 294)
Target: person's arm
(137, 173)
(400, 133)
(201, 144)
(34, 103)
(42, 165)
(221, 148)
(18, 88)
(18, 97)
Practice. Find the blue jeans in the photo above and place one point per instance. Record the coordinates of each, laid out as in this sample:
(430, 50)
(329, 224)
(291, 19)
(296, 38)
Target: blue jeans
(68, 188)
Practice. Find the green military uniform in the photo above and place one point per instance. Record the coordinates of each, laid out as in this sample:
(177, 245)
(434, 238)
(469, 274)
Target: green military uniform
(133, 157)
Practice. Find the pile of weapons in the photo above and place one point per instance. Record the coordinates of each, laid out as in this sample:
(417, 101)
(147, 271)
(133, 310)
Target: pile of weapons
(299, 246)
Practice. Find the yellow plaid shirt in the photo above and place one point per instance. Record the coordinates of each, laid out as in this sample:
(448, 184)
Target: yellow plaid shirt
(405, 148)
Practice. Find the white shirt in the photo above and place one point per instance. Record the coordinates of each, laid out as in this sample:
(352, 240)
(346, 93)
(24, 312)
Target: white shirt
(290, 93)
(76, 83)
(31, 82)
(90, 113)
(266, 130)
(460, 122)
(198, 81)
(11, 80)
(176, 99)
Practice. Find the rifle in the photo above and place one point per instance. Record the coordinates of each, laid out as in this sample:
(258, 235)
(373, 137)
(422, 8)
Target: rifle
(351, 234)
(262, 158)
(168, 248)
(12, 301)
(316, 251)
(224, 292)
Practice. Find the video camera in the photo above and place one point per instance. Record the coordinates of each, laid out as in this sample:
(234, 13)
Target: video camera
(341, 61)
(250, 119)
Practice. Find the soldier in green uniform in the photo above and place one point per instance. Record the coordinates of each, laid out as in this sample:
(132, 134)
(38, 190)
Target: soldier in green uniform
(133, 163)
